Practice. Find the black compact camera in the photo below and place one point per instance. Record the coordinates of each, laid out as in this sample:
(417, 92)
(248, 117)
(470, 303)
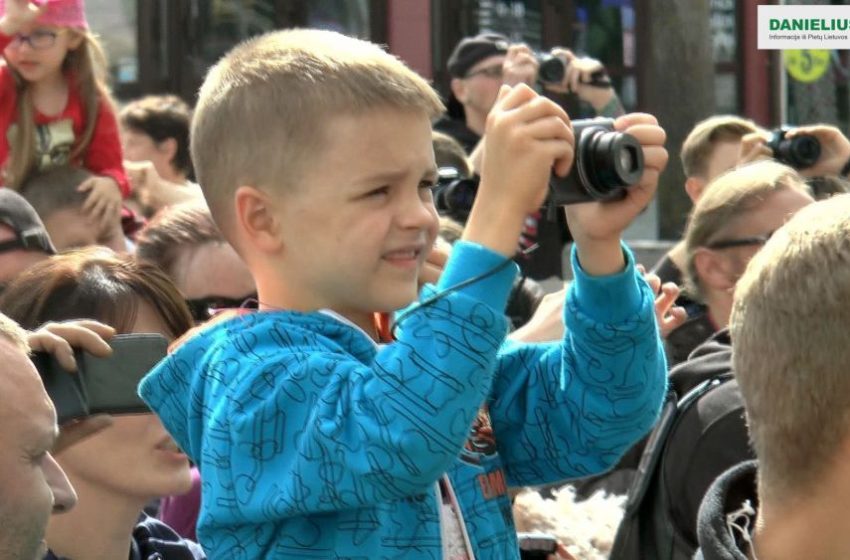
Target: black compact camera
(102, 385)
(606, 163)
(799, 152)
(552, 70)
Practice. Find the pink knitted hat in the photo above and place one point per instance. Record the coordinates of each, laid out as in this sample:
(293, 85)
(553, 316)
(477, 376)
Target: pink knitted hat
(61, 13)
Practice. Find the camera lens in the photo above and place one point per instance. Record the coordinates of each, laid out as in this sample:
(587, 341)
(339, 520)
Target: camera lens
(552, 69)
(804, 151)
(608, 161)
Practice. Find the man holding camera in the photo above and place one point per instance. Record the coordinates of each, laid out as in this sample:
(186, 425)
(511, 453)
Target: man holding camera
(480, 65)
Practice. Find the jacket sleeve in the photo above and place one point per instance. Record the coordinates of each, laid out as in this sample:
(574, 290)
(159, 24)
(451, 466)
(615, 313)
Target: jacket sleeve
(571, 409)
(321, 431)
(103, 156)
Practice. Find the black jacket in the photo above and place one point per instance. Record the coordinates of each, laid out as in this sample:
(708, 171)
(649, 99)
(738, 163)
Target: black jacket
(154, 540)
(726, 503)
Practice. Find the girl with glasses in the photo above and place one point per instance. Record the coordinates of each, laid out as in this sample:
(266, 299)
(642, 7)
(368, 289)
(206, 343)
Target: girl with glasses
(54, 102)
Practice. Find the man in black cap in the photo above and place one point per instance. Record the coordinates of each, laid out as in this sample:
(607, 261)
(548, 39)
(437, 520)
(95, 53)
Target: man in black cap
(480, 65)
(23, 238)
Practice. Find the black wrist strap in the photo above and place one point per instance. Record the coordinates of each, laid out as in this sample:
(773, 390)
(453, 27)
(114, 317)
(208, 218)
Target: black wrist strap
(845, 171)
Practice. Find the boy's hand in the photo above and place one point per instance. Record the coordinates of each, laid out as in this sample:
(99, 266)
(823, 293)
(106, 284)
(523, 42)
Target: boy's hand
(527, 136)
(596, 226)
(103, 204)
(18, 14)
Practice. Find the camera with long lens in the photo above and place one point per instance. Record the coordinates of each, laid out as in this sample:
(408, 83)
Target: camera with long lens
(606, 164)
(552, 69)
(455, 193)
(798, 152)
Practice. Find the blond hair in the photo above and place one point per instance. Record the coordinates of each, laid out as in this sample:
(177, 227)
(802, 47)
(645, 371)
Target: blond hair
(701, 141)
(726, 199)
(789, 327)
(13, 333)
(262, 108)
(86, 66)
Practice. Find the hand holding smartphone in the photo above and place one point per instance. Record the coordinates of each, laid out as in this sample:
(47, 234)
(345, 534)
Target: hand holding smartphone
(102, 385)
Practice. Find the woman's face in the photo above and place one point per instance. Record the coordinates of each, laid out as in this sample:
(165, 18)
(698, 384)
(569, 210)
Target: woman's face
(135, 456)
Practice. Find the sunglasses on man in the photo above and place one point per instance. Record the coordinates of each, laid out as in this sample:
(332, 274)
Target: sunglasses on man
(739, 242)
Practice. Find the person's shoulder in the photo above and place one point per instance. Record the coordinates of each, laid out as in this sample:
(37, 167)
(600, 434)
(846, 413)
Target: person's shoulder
(711, 358)
(274, 337)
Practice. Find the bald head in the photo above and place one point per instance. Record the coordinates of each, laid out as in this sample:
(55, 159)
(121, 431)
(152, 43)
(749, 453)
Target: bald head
(32, 485)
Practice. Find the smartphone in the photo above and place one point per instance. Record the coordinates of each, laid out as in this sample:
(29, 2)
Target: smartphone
(64, 388)
(102, 385)
(536, 546)
(111, 384)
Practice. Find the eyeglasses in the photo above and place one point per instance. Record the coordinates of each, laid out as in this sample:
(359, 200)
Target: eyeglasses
(204, 309)
(493, 72)
(740, 242)
(39, 39)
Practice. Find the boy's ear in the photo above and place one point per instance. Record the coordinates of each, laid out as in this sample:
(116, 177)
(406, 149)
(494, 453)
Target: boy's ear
(257, 219)
(713, 270)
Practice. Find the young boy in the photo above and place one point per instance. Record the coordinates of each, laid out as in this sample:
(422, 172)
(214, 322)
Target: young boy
(315, 442)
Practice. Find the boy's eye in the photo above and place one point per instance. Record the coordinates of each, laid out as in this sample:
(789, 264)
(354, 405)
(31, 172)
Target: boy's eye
(430, 185)
(378, 192)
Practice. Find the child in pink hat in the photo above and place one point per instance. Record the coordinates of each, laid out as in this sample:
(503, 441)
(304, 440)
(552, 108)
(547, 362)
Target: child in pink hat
(55, 107)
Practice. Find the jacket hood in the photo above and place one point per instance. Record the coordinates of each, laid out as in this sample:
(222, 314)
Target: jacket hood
(727, 514)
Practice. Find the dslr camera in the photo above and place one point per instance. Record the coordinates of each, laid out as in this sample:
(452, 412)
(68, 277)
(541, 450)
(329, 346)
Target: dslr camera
(799, 152)
(552, 69)
(606, 163)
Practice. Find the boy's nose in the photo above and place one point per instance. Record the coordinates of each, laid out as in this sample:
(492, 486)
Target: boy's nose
(417, 213)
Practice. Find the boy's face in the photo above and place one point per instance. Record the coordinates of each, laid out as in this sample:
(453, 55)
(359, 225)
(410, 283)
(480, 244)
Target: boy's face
(361, 220)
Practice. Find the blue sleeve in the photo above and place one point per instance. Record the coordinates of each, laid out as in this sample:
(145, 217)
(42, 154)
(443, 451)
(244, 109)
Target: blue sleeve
(322, 431)
(571, 409)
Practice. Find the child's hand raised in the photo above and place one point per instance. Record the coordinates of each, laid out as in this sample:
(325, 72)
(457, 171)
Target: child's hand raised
(596, 227)
(18, 13)
(527, 136)
(103, 203)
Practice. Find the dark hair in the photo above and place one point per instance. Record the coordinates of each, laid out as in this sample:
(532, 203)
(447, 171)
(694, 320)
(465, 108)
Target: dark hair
(162, 117)
(94, 283)
(174, 230)
(55, 189)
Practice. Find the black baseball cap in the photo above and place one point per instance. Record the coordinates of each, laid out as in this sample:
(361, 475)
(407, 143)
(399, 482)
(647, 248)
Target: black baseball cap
(472, 50)
(19, 215)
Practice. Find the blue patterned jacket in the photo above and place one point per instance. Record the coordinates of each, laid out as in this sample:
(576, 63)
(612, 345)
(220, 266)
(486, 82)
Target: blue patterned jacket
(314, 443)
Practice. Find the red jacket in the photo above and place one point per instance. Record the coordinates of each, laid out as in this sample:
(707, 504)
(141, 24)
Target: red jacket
(58, 133)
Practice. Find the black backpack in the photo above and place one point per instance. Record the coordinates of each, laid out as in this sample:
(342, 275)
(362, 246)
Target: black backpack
(697, 437)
